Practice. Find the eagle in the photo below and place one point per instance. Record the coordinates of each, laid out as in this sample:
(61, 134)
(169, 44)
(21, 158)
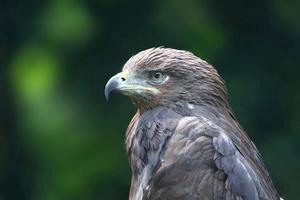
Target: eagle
(184, 142)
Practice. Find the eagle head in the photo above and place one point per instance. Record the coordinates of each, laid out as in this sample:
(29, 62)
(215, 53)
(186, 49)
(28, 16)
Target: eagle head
(164, 76)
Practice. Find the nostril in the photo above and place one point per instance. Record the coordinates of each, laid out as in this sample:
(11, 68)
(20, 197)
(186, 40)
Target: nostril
(123, 79)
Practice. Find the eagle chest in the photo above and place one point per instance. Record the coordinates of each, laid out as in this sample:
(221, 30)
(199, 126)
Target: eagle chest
(155, 145)
(148, 138)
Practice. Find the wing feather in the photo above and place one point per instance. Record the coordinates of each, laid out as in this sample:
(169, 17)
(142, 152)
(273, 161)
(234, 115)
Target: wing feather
(201, 161)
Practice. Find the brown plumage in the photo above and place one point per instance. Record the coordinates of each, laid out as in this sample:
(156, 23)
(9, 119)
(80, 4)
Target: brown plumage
(184, 141)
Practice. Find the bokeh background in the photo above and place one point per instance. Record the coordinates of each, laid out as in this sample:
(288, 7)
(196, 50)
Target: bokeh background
(60, 139)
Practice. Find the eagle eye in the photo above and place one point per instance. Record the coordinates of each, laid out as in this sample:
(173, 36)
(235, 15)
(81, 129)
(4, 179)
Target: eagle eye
(157, 77)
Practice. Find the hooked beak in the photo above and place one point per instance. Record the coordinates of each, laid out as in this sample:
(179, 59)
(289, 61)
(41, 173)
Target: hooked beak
(129, 85)
(115, 84)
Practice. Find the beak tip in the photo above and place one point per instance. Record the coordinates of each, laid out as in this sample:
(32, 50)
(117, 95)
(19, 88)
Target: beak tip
(107, 91)
(106, 95)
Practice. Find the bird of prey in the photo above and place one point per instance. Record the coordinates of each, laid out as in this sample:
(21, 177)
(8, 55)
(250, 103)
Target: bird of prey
(184, 142)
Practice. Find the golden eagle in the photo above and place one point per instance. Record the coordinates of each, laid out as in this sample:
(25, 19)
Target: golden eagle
(184, 141)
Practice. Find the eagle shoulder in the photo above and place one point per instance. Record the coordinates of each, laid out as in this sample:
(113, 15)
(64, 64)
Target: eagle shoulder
(201, 161)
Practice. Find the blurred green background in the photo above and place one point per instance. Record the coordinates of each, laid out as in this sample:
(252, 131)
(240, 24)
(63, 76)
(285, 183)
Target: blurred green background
(60, 139)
